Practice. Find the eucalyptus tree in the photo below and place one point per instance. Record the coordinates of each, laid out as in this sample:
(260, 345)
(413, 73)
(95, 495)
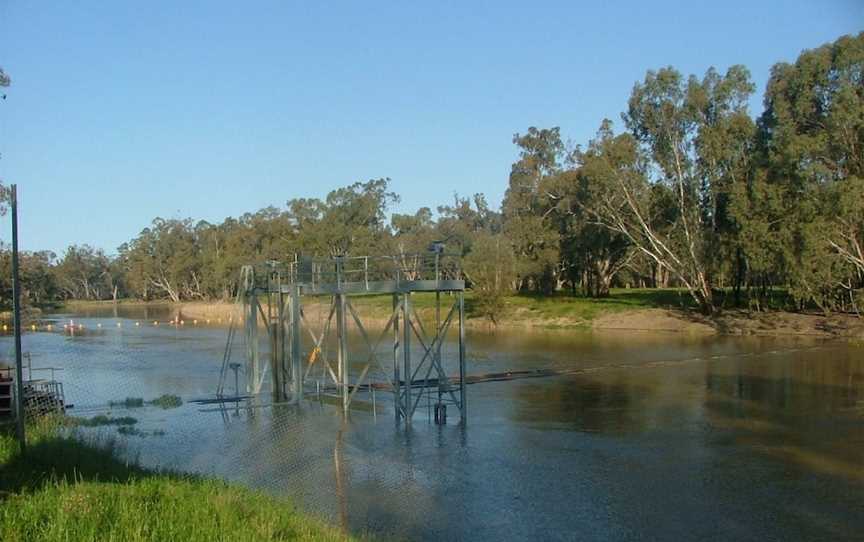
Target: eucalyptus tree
(38, 278)
(84, 272)
(351, 220)
(457, 223)
(812, 132)
(526, 208)
(412, 237)
(590, 254)
(164, 261)
(665, 185)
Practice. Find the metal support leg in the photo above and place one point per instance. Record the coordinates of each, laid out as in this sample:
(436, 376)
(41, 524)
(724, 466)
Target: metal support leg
(275, 366)
(284, 358)
(406, 356)
(342, 351)
(463, 413)
(397, 398)
(252, 368)
(296, 368)
(438, 338)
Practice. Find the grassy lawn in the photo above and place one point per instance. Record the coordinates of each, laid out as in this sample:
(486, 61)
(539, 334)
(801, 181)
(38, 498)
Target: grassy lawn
(63, 489)
(586, 309)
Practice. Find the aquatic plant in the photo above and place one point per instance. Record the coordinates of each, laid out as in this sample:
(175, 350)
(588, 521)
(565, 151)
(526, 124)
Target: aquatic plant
(129, 402)
(166, 401)
(103, 420)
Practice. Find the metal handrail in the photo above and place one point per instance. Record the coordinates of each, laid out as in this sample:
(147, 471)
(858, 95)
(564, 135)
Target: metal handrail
(359, 269)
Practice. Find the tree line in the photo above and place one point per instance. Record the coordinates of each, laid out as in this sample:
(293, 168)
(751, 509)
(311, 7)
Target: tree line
(688, 190)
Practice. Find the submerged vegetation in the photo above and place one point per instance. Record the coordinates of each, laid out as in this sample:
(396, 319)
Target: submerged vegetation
(67, 489)
(101, 420)
(129, 402)
(164, 401)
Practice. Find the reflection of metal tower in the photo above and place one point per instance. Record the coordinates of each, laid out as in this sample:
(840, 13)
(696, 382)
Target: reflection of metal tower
(299, 360)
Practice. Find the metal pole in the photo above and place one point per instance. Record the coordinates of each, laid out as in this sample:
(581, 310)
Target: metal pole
(252, 375)
(438, 336)
(342, 352)
(283, 345)
(462, 406)
(16, 322)
(296, 369)
(406, 355)
(275, 365)
(396, 386)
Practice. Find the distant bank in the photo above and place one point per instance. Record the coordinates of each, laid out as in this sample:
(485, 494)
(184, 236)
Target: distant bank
(635, 310)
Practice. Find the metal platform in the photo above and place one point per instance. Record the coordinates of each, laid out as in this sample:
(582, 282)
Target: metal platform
(379, 287)
(305, 358)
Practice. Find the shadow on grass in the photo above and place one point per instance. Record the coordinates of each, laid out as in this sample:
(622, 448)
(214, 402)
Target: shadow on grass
(62, 488)
(567, 305)
(59, 458)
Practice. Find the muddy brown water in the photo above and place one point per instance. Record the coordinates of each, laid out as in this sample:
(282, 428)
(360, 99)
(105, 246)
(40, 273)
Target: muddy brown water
(658, 437)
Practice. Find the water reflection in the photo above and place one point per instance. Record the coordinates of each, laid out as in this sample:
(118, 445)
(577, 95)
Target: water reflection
(659, 436)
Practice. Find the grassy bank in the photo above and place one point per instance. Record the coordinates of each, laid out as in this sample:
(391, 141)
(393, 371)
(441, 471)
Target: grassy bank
(550, 311)
(64, 489)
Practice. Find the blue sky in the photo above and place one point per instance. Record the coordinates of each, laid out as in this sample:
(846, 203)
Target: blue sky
(123, 111)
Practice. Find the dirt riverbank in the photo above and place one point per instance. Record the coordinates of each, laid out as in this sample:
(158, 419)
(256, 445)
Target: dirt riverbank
(773, 323)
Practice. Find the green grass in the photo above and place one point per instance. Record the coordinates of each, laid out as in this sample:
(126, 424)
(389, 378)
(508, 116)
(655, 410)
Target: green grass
(585, 309)
(63, 489)
(562, 307)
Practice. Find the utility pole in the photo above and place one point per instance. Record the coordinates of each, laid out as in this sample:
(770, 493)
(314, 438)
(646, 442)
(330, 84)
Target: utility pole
(16, 321)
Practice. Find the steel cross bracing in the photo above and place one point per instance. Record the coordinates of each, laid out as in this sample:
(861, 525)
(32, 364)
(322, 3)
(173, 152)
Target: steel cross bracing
(306, 359)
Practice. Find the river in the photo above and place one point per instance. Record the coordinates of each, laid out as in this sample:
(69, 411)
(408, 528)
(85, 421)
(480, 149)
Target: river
(659, 437)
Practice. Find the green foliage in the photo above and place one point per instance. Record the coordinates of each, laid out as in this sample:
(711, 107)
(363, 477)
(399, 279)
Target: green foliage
(38, 278)
(812, 143)
(87, 273)
(525, 209)
(490, 268)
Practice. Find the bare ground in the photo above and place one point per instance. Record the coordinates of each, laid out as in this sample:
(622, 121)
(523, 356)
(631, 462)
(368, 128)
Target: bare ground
(736, 323)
